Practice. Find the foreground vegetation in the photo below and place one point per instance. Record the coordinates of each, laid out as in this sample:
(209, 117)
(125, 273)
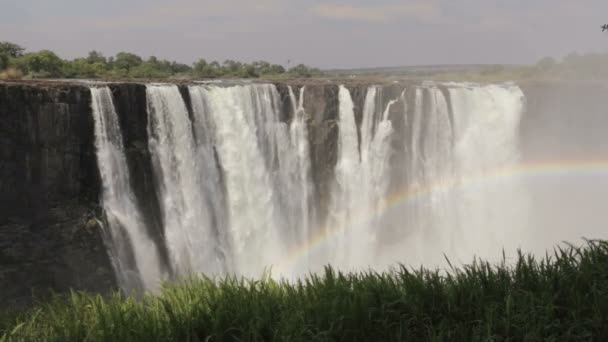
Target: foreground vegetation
(15, 63)
(562, 297)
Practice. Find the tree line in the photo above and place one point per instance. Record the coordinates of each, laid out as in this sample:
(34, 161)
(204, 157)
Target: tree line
(17, 63)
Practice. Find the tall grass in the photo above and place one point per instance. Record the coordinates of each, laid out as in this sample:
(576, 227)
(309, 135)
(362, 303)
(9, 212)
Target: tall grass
(564, 296)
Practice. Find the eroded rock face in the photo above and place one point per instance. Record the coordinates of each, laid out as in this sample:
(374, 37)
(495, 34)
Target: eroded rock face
(49, 186)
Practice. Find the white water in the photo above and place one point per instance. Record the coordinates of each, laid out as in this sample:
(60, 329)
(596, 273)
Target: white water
(134, 254)
(186, 218)
(486, 143)
(237, 190)
(458, 204)
(235, 178)
(362, 179)
(296, 173)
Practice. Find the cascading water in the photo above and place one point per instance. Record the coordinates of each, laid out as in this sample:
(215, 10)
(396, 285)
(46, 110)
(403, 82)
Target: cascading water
(295, 173)
(134, 254)
(486, 138)
(456, 201)
(414, 178)
(186, 217)
(236, 183)
(361, 180)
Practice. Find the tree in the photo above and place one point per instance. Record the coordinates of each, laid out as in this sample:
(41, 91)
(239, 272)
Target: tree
(200, 66)
(248, 71)
(152, 68)
(11, 49)
(231, 67)
(302, 70)
(203, 69)
(179, 67)
(127, 61)
(45, 62)
(96, 57)
(82, 68)
(276, 69)
(261, 67)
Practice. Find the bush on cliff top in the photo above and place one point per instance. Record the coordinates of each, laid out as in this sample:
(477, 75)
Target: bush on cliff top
(562, 297)
(45, 64)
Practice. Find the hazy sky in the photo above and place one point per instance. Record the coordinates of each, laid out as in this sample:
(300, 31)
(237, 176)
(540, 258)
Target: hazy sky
(326, 33)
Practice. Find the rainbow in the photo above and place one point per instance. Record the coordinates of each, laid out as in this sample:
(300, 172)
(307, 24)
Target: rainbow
(405, 196)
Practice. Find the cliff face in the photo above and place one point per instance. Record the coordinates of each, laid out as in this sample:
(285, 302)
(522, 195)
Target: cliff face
(49, 185)
(50, 238)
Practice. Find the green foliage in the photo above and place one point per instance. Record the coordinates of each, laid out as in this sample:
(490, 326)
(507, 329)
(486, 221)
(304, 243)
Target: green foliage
(232, 68)
(11, 49)
(127, 61)
(44, 63)
(83, 68)
(202, 69)
(302, 70)
(128, 65)
(562, 297)
(265, 68)
(179, 68)
(96, 57)
(151, 69)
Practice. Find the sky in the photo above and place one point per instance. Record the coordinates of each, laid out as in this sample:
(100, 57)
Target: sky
(321, 33)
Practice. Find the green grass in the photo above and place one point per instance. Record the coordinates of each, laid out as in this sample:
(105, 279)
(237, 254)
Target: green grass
(561, 297)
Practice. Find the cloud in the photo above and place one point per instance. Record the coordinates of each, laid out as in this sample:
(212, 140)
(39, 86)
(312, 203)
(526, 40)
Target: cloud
(423, 11)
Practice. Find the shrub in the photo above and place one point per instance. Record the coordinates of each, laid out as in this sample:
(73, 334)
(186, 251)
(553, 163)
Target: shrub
(11, 74)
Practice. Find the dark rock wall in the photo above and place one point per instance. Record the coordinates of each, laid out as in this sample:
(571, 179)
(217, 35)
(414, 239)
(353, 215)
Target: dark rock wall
(49, 185)
(321, 105)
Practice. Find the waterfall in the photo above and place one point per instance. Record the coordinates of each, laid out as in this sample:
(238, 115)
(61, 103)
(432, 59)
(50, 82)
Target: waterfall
(361, 180)
(296, 172)
(187, 219)
(134, 254)
(486, 133)
(414, 178)
(457, 138)
(455, 202)
(242, 117)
